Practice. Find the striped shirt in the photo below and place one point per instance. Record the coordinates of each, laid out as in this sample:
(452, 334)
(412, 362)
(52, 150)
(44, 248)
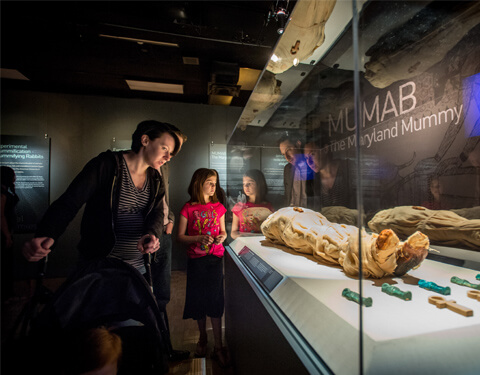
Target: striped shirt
(129, 223)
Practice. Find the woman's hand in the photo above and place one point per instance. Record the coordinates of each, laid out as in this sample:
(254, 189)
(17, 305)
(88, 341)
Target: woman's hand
(37, 248)
(148, 244)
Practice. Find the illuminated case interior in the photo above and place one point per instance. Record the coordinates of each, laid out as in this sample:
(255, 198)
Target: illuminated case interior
(395, 91)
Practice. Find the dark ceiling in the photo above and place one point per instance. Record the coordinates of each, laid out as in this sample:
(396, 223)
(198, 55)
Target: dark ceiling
(58, 45)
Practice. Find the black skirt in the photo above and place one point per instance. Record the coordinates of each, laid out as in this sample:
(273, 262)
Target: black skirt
(204, 296)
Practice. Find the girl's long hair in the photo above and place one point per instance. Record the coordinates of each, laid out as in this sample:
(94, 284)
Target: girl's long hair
(259, 178)
(219, 192)
(195, 189)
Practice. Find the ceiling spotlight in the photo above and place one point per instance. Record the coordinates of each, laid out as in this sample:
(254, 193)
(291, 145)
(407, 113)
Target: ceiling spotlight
(295, 61)
(281, 17)
(274, 58)
(280, 13)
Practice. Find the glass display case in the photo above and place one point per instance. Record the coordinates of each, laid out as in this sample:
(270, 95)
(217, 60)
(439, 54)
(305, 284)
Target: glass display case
(366, 127)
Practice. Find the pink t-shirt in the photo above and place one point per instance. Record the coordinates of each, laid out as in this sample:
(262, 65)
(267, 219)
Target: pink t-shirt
(251, 216)
(203, 219)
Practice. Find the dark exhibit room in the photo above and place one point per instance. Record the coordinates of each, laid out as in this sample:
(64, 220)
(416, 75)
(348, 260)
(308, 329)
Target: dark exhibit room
(240, 187)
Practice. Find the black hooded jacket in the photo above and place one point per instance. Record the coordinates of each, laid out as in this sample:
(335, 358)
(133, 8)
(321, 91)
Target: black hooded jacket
(98, 186)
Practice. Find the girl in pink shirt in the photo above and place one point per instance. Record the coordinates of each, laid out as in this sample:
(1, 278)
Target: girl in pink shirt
(202, 228)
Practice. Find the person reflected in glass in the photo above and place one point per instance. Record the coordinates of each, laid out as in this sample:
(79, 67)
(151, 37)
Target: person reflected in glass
(436, 199)
(331, 187)
(297, 175)
(248, 216)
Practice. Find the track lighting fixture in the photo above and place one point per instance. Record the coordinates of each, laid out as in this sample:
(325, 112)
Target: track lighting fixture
(280, 13)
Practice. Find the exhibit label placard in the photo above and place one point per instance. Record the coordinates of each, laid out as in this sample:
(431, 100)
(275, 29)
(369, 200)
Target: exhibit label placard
(29, 157)
(266, 275)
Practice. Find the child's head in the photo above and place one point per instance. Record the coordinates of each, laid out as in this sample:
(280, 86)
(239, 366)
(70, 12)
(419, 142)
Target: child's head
(435, 188)
(92, 351)
(255, 186)
(203, 186)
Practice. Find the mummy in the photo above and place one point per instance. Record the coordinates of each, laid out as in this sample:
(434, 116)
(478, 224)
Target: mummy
(309, 232)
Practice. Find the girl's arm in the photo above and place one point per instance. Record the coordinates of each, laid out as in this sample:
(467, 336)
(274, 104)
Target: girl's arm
(183, 237)
(223, 234)
(235, 233)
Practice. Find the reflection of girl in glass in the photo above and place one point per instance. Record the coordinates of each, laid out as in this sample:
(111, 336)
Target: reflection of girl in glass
(249, 216)
(435, 199)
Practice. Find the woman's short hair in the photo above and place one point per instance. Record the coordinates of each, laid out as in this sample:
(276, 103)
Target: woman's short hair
(262, 188)
(178, 132)
(153, 129)
(195, 189)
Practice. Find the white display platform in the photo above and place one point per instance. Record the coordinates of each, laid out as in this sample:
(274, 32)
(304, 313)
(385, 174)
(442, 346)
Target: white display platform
(399, 336)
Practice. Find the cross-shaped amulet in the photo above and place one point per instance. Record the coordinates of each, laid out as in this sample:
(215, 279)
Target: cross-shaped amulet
(441, 303)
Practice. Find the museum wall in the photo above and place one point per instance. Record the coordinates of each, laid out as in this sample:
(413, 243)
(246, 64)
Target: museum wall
(80, 127)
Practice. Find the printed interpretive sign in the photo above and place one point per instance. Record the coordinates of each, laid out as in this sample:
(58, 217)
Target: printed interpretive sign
(218, 161)
(29, 157)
